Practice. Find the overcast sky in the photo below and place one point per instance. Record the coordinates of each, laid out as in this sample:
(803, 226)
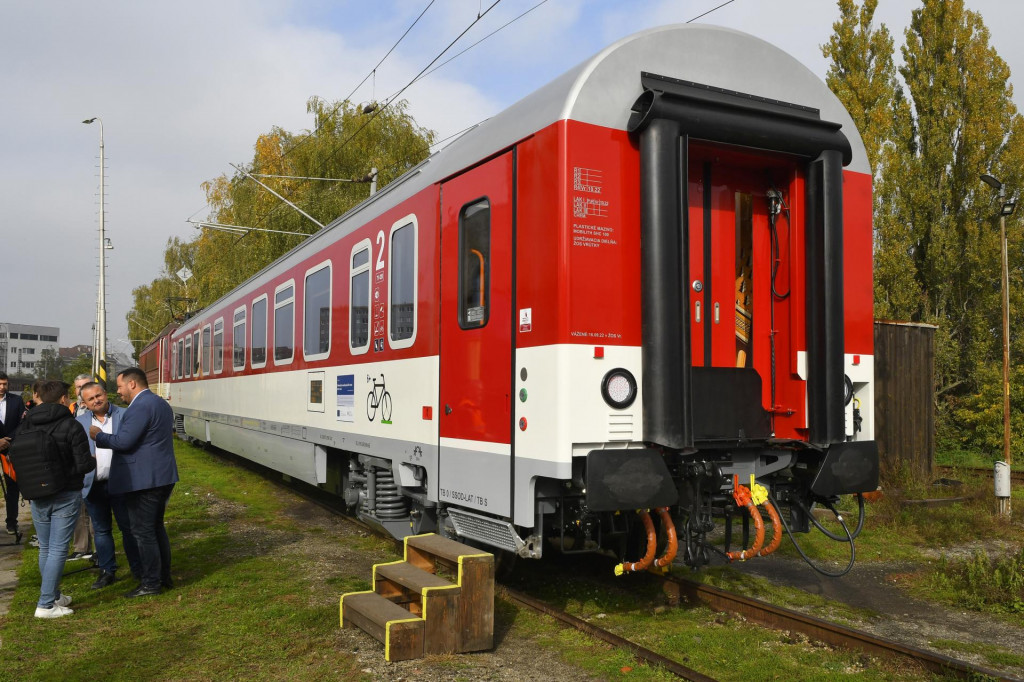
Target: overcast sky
(185, 88)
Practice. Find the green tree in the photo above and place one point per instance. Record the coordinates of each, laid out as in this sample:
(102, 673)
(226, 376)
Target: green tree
(80, 365)
(50, 365)
(345, 143)
(863, 76)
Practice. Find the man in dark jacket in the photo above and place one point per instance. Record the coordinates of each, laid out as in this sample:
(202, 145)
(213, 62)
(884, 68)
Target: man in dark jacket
(54, 516)
(11, 409)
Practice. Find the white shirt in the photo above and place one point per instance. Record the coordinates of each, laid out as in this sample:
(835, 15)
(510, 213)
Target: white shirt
(103, 455)
(3, 409)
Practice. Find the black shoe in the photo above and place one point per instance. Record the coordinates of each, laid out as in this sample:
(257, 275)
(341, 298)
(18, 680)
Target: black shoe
(106, 578)
(142, 591)
(12, 530)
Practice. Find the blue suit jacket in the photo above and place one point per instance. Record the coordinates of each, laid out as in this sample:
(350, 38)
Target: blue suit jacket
(15, 408)
(143, 446)
(114, 413)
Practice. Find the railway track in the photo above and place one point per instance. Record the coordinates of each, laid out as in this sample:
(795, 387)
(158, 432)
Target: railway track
(1016, 475)
(680, 590)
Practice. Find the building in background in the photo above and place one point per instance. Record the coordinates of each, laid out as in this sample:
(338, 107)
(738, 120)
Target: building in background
(69, 353)
(22, 347)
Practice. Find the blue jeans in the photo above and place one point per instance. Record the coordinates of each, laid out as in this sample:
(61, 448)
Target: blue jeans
(103, 510)
(146, 512)
(54, 518)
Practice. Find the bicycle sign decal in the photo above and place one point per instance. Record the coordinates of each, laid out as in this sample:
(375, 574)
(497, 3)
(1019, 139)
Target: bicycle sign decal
(375, 400)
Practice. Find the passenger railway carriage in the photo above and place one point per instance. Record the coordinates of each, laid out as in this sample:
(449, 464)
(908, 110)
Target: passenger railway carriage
(643, 287)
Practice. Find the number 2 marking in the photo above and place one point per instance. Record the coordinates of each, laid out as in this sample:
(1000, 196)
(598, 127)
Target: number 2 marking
(380, 252)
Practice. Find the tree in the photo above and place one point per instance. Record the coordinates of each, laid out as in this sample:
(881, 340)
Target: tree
(345, 143)
(50, 365)
(864, 78)
(80, 365)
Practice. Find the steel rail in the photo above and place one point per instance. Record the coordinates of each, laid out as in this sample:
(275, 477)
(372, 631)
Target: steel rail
(780, 618)
(640, 653)
(1016, 475)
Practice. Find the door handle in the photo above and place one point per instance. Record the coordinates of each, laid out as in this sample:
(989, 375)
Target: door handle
(447, 408)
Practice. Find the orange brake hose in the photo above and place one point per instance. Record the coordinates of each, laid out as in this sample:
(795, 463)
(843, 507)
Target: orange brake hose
(670, 532)
(773, 515)
(652, 544)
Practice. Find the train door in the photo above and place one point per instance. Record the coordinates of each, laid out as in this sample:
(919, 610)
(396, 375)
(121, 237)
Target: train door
(476, 338)
(735, 264)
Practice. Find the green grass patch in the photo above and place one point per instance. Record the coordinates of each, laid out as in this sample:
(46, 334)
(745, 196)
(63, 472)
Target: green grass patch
(981, 583)
(993, 655)
(241, 608)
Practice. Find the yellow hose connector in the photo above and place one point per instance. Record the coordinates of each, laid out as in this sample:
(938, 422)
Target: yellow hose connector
(758, 493)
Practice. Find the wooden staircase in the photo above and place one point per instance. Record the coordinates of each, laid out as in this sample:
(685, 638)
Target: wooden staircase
(414, 611)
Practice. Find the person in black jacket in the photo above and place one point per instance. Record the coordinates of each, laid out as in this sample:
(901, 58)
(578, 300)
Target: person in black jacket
(54, 516)
(11, 410)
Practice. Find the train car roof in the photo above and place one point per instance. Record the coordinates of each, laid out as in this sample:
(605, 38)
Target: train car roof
(601, 90)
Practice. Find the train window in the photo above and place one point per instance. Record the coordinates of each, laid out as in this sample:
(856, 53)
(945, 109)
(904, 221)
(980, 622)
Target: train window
(316, 313)
(181, 359)
(207, 351)
(174, 360)
(195, 353)
(259, 332)
(474, 263)
(402, 292)
(238, 339)
(218, 346)
(359, 299)
(284, 323)
(188, 355)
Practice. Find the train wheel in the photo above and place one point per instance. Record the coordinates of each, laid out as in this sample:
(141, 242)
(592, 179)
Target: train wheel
(385, 409)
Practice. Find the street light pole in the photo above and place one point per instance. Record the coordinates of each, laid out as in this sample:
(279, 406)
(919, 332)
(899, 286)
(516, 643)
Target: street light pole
(100, 352)
(1005, 209)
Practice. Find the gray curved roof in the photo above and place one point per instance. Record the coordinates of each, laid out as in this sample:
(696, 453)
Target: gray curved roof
(601, 91)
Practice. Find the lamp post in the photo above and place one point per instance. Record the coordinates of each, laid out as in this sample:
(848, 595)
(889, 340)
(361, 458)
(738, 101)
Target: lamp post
(100, 353)
(1005, 209)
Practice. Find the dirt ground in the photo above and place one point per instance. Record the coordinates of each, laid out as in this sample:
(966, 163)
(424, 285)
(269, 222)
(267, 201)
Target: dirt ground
(900, 617)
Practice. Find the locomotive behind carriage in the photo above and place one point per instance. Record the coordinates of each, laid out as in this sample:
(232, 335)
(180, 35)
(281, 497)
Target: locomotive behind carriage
(640, 297)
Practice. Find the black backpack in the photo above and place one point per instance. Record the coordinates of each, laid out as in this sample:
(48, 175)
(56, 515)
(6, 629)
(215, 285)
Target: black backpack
(39, 462)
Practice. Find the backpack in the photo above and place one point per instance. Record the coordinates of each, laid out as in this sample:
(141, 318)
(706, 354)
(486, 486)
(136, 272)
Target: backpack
(39, 461)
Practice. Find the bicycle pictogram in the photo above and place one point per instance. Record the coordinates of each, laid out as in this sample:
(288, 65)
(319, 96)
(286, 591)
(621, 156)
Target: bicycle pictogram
(376, 400)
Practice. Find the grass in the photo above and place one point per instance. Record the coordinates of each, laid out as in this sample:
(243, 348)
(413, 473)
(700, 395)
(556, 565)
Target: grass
(992, 654)
(239, 609)
(980, 583)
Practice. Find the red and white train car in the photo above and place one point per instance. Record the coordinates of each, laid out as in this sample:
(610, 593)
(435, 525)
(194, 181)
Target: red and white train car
(639, 287)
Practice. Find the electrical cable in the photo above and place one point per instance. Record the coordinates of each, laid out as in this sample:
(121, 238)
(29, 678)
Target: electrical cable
(710, 11)
(807, 559)
(829, 534)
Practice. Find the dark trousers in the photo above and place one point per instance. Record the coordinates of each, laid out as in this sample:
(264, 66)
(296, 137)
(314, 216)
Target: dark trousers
(146, 514)
(103, 510)
(12, 501)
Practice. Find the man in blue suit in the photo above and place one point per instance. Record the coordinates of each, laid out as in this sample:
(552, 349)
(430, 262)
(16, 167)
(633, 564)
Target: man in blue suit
(103, 507)
(144, 470)
(11, 409)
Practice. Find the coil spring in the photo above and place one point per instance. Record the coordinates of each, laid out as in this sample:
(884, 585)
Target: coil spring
(389, 503)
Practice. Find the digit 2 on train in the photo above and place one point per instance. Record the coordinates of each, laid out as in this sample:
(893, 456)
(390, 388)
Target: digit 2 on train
(642, 291)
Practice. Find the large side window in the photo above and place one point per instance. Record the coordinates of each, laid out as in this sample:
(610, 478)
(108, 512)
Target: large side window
(284, 323)
(207, 351)
(238, 339)
(402, 289)
(195, 353)
(218, 346)
(316, 313)
(359, 299)
(259, 332)
(188, 355)
(474, 264)
(175, 367)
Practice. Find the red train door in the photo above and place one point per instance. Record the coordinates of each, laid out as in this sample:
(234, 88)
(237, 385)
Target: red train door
(476, 337)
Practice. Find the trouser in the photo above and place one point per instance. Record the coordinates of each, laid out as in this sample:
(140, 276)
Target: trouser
(146, 514)
(103, 509)
(11, 498)
(54, 518)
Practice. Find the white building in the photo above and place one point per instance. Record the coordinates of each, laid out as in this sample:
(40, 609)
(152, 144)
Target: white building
(22, 346)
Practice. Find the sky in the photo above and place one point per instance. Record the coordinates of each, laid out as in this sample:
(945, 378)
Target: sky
(184, 89)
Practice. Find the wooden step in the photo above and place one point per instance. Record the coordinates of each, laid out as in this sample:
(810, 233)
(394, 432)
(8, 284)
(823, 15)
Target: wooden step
(433, 598)
(399, 630)
(475, 575)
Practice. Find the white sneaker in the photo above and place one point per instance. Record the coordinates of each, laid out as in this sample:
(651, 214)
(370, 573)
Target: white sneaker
(63, 600)
(54, 612)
